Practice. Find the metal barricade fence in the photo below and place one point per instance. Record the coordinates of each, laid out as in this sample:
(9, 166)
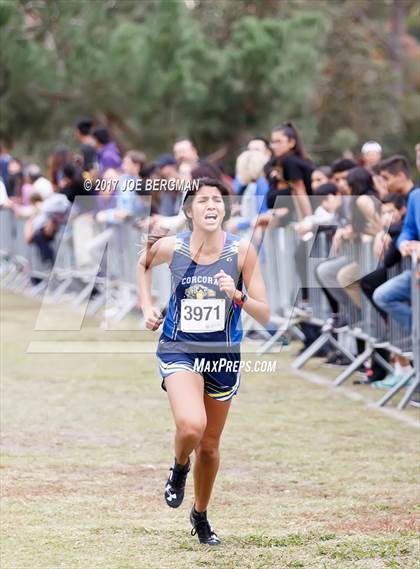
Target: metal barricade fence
(282, 283)
(280, 274)
(370, 328)
(322, 316)
(397, 336)
(7, 222)
(18, 252)
(318, 248)
(7, 219)
(20, 261)
(79, 266)
(412, 378)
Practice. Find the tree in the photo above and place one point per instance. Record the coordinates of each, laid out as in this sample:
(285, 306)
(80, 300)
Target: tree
(155, 70)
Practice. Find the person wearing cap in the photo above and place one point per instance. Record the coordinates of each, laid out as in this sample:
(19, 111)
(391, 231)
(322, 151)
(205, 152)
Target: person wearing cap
(371, 153)
(167, 166)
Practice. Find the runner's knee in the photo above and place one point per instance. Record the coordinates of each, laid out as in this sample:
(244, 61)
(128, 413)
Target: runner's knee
(208, 449)
(190, 429)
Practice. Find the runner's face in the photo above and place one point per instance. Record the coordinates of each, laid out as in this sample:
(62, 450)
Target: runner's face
(207, 209)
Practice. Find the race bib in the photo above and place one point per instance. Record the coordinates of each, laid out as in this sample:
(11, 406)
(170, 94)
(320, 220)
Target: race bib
(202, 315)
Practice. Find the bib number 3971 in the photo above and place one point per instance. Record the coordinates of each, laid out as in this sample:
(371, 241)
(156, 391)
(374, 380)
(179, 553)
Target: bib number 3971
(202, 315)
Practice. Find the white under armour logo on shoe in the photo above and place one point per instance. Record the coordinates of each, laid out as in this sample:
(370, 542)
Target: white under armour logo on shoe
(170, 496)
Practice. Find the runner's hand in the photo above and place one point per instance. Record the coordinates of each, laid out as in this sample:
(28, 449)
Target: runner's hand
(152, 318)
(226, 283)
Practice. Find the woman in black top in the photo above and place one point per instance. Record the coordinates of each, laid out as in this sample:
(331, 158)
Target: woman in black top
(288, 148)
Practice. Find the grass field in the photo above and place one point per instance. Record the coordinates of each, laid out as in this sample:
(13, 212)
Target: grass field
(310, 478)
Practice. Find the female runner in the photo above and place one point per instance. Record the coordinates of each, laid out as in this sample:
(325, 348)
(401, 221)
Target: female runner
(199, 349)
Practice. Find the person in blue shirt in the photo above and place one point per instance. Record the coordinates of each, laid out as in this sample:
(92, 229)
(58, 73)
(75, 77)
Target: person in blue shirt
(201, 331)
(394, 296)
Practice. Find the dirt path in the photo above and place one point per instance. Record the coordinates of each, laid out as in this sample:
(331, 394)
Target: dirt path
(309, 478)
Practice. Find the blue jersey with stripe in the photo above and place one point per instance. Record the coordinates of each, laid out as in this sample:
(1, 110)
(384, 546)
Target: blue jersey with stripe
(192, 280)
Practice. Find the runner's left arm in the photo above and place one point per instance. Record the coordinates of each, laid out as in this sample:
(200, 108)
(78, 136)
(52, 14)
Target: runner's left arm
(257, 304)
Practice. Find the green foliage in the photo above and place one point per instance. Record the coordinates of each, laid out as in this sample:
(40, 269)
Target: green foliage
(156, 70)
(343, 138)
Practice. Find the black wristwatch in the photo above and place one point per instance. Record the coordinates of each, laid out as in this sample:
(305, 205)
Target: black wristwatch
(244, 298)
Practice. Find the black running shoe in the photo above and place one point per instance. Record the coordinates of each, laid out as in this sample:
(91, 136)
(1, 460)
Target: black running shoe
(175, 485)
(202, 528)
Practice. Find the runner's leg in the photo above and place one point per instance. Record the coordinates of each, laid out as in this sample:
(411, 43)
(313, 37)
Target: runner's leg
(185, 391)
(207, 459)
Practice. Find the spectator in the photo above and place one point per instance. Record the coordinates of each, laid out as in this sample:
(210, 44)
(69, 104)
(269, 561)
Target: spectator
(394, 296)
(127, 202)
(327, 213)
(281, 209)
(262, 145)
(385, 249)
(288, 148)
(170, 201)
(186, 156)
(250, 174)
(340, 169)
(15, 178)
(4, 164)
(371, 154)
(417, 149)
(50, 213)
(107, 199)
(340, 274)
(321, 175)
(4, 198)
(364, 205)
(396, 173)
(364, 219)
(40, 184)
(380, 184)
(72, 182)
(56, 161)
(132, 164)
(27, 189)
(108, 155)
(88, 145)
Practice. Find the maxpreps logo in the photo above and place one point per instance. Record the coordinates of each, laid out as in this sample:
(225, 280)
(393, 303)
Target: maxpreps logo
(199, 291)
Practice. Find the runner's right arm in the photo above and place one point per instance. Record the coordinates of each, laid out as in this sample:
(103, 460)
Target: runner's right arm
(160, 252)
